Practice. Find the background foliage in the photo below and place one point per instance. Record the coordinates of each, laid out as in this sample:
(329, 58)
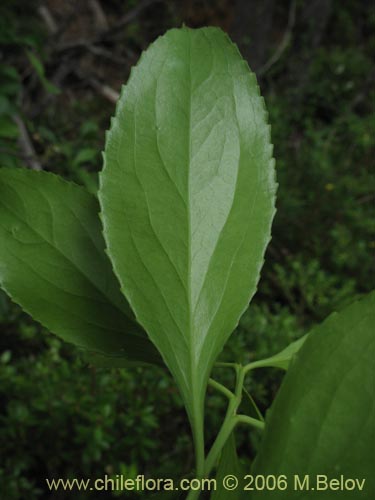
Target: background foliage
(61, 66)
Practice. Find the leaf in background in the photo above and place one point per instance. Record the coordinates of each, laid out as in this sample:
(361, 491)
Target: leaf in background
(39, 69)
(52, 263)
(229, 464)
(85, 155)
(8, 129)
(10, 83)
(187, 195)
(90, 180)
(322, 421)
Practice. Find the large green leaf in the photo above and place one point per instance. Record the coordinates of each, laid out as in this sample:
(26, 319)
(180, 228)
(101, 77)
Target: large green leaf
(187, 196)
(322, 421)
(52, 263)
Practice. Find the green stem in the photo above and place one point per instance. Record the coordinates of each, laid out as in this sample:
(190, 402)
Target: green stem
(239, 384)
(198, 437)
(196, 417)
(221, 388)
(231, 419)
(262, 363)
(253, 422)
(228, 424)
(224, 433)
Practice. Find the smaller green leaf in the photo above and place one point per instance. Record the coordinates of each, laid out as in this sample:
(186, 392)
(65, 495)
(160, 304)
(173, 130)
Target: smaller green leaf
(281, 359)
(53, 264)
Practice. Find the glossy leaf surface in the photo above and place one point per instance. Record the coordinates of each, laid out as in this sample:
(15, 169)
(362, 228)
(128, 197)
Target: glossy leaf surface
(52, 263)
(322, 421)
(187, 197)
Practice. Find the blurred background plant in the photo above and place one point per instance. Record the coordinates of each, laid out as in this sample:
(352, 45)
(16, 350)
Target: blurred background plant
(61, 69)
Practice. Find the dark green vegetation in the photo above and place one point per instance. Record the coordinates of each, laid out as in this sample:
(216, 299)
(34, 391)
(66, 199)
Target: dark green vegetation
(60, 418)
